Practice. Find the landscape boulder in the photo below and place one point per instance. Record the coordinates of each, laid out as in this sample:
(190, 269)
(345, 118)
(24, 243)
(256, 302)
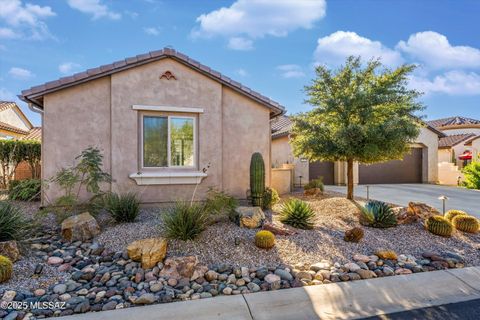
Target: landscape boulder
(277, 229)
(250, 217)
(421, 211)
(81, 227)
(148, 251)
(10, 250)
(313, 192)
(183, 267)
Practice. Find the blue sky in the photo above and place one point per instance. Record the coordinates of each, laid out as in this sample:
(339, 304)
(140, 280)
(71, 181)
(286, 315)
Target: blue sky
(269, 45)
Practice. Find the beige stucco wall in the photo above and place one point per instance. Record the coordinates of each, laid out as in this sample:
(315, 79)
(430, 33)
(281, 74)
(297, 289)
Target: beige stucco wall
(282, 180)
(100, 113)
(444, 155)
(476, 150)
(282, 153)
(429, 139)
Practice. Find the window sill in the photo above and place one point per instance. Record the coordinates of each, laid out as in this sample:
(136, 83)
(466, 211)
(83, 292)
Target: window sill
(159, 178)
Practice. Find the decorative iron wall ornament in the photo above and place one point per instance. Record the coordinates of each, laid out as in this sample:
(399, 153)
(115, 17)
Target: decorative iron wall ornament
(168, 75)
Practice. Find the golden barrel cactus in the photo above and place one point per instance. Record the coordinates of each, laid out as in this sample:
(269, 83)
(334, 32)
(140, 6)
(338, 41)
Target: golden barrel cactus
(6, 269)
(354, 235)
(439, 225)
(265, 239)
(453, 213)
(466, 223)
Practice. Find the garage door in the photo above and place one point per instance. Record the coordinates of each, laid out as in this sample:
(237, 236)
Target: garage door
(408, 170)
(321, 169)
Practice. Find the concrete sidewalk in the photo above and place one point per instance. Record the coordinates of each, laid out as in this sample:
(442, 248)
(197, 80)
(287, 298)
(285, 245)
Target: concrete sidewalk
(346, 300)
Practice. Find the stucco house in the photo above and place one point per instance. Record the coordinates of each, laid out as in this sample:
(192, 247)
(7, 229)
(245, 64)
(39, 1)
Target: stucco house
(418, 166)
(164, 122)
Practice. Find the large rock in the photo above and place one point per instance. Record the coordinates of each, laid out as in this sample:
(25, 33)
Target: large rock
(148, 251)
(277, 229)
(9, 249)
(183, 267)
(250, 217)
(80, 227)
(422, 211)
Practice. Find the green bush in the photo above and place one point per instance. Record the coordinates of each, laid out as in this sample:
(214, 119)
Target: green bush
(122, 207)
(25, 190)
(378, 214)
(270, 198)
(315, 183)
(220, 203)
(472, 175)
(185, 221)
(13, 225)
(297, 213)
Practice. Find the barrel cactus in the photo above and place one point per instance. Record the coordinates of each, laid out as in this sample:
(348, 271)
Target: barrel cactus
(439, 225)
(264, 239)
(257, 179)
(466, 223)
(6, 269)
(378, 214)
(453, 213)
(354, 235)
(386, 254)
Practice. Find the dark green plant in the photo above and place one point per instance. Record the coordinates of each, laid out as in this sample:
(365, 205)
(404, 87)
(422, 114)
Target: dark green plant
(32, 153)
(315, 183)
(185, 221)
(6, 269)
(122, 207)
(354, 235)
(361, 112)
(25, 190)
(471, 173)
(264, 239)
(12, 152)
(270, 198)
(13, 225)
(219, 203)
(257, 179)
(297, 213)
(439, 225)
(466, 223)
(378, 214)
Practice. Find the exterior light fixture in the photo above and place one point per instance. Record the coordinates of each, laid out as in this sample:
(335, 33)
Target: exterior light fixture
(444, 200)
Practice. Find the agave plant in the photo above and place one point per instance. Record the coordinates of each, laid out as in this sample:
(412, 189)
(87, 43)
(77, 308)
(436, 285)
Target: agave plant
(378, 214)
(298, 214)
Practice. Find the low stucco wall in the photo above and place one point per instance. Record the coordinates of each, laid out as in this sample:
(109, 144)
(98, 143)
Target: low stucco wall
(282, 154)
(282, 180)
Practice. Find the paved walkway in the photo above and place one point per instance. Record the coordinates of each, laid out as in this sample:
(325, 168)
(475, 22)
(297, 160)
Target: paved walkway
(402, 194)
(346, 300)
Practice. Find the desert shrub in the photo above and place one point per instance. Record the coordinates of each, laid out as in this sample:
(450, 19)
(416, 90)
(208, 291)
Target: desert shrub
(185, 221)
(354, 235)
(450, 214)
(315, 183)
(378, 214)
(13, 225)
(471, 173)
(270, 198)
(297, 213)
(25, 190)
(466, 223)
(122, 207)
(6, 269)
(264, 239)
(439, 225)
(219, 203)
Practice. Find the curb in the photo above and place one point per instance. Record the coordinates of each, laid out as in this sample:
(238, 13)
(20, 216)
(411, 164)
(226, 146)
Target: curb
(345, 300)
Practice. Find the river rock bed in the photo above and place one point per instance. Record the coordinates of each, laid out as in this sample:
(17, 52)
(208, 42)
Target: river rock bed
(98, 279)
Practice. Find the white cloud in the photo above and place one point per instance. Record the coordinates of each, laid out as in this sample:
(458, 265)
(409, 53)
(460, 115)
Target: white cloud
(435, 51)
(152, 31)
(20, 73)
(241, 72)
(239, 43)
(254, 19)
(455, 82)
(336, 47)
(6, 95)
(24, 20)
(68, 67)
(291, 71)
(95, 8)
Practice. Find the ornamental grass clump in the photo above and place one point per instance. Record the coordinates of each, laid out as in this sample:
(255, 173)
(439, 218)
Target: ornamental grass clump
(13, 225)
(122, 207)
(185, 221)
(24, 190)
(219, 204)
(298, 214)
(378, 214)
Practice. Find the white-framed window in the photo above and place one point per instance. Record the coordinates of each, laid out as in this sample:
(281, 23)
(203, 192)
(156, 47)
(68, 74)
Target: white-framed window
(168, 141)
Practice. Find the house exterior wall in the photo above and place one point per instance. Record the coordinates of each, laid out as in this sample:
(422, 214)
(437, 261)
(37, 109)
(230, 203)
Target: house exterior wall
(475, 150)
(444, 155)
(429, 139)
(282, 153)
(229, 130)
(14, 118)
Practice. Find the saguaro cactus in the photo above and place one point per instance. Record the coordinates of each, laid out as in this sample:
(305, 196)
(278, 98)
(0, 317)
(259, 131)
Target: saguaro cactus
(257, 179)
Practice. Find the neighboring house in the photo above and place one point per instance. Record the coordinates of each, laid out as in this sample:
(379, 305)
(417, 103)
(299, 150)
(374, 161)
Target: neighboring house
(163, 121)
(418, 166)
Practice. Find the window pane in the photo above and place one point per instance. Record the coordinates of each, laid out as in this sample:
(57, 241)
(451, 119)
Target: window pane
(181, 142)
(155, 137)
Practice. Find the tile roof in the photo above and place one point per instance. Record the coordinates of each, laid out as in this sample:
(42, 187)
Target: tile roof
(8, 127)
(281, 126)
(454, 139)
(34, 134)
(4, 105)
(452, 121)
(34, 93)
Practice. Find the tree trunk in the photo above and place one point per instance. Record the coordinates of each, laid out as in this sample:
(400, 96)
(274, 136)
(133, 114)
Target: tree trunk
(350, 179)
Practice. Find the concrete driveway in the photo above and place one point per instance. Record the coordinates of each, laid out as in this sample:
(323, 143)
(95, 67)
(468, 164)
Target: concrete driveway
(402, 194)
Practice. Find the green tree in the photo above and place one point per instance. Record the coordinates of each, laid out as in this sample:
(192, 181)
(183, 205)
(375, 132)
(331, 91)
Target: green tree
(361, 112)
